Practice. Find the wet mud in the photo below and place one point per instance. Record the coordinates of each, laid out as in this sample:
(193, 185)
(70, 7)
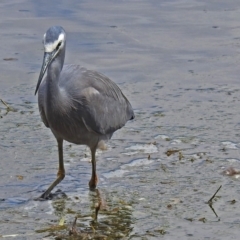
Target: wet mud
(178, 64)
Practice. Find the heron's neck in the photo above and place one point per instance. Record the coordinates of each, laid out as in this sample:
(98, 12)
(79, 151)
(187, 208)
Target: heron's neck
(54, 96)
(53, 73)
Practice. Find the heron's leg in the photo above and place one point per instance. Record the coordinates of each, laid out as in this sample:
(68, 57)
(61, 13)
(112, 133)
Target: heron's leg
(94, 179)
(61, 171)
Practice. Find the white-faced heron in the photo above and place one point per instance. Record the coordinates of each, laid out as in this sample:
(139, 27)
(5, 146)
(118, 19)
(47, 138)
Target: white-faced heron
(78, 105)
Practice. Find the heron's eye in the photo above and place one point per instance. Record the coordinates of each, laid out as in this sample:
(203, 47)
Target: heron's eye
(58, 46)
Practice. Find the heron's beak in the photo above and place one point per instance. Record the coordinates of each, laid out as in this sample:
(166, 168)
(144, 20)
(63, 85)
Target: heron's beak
(47, 59)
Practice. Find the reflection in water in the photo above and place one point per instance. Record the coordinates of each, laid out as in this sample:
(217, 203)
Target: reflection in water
(108, 216)
(212, 208)
(186, 97)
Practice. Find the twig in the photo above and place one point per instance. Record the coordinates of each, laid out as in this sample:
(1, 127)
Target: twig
(210, 200)
(4, 103)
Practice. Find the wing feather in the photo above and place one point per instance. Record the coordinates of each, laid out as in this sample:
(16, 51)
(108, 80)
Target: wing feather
(100, 103)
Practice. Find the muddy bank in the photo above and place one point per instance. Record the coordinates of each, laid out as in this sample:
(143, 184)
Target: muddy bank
(178, 63)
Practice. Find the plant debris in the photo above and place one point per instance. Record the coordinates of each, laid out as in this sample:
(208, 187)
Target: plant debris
(211, 199)
(170, 152)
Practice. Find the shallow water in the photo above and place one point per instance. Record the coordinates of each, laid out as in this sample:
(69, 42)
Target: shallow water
(178, 64)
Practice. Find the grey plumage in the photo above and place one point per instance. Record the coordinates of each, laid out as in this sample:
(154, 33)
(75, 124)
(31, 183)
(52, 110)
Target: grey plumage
(78, 105)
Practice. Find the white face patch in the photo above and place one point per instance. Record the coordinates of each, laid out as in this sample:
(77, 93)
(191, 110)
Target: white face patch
(52, 46)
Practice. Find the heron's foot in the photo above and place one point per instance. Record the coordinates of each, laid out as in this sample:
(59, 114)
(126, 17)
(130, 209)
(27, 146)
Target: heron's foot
(44, 197)
(51, 196)
(47, 194)
(93, 182)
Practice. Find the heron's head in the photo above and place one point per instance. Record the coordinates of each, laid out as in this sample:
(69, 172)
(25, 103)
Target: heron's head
(54, 39)
(54, 42)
